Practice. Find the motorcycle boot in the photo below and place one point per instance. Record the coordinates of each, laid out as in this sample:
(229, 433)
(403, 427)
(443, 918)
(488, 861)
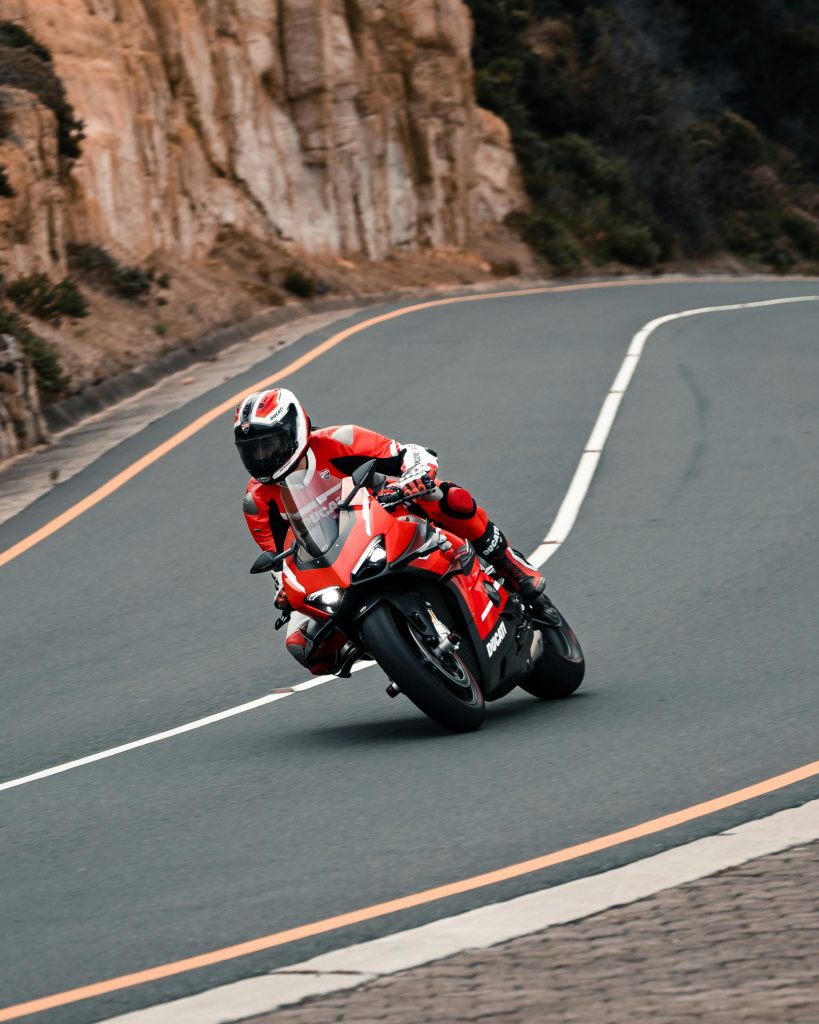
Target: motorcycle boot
(521, 577)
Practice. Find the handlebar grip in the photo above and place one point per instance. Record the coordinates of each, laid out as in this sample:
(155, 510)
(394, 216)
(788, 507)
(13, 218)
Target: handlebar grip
(403, 499)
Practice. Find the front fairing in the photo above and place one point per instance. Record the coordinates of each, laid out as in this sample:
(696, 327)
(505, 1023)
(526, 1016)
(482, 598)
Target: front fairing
(357, 528)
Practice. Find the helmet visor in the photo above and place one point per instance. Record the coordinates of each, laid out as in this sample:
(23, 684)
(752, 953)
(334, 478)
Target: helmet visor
(265, 454)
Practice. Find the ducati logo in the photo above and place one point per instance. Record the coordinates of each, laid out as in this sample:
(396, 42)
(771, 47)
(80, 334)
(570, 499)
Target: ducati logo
(495, 641)
(245, 427)
(324, 474)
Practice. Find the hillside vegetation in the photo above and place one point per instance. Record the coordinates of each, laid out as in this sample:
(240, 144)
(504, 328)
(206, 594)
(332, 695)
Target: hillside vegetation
(650, 132)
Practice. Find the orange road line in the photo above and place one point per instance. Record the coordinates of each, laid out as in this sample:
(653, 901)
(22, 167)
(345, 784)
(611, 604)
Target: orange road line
(122, 478)
(267, 942)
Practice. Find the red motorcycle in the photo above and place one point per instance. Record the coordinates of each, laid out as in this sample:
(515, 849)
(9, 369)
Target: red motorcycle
(385, 583)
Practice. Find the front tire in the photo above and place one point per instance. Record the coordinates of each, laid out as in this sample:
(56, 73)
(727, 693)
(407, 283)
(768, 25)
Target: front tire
(560, 666)
(445, 689)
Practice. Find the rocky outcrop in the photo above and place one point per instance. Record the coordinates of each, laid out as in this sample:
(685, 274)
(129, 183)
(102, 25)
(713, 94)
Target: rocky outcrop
(21, 422)
(32, 222)
(343, 127)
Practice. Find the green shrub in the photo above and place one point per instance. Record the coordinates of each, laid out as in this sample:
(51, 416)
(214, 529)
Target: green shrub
(299, 283)
(632, 244)
(16, 37)
(550, 239)
(505, 267)
(6, 187)
(804, 234)
(741, 143)
(43, 355)
(161, 329)
(592, 173)
(37, 295)
(102, 270)
(27, 65)
(641, 136)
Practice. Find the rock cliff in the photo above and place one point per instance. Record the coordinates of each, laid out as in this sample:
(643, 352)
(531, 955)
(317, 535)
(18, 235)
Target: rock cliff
(344, 127)
(21, 422)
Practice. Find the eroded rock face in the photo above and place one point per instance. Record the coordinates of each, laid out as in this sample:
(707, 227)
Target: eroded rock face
(342, 126)
(21, 423)
(32, 222)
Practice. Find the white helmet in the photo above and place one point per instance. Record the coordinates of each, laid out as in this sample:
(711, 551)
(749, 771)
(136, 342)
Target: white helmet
(272, 432)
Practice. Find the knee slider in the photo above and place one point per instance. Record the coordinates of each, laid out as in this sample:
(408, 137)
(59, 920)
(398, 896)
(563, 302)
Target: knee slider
(459, 503)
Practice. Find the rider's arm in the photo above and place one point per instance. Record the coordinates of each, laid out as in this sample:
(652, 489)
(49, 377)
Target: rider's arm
(417, 462)
(267, 525)
(355, 445)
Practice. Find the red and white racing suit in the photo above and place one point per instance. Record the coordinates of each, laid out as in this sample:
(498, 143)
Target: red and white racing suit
(337, 452)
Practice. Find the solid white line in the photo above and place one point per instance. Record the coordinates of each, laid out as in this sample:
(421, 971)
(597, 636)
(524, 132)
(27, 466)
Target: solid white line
(488, 926)
(200, 723)
(584, 474)
(558, 532)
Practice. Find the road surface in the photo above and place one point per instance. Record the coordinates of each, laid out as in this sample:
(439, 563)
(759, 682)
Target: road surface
(691, 578)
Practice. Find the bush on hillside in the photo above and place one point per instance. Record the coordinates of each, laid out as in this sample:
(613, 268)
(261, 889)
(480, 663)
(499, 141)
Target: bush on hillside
(102, 270)
(634, 146)
(40, 297)
(303, 284)
(44, 357)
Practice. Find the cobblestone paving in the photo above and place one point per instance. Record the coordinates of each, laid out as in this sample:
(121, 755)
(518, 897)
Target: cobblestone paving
(742, 945)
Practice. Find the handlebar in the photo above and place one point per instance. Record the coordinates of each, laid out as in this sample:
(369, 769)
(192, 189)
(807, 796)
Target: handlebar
(401, 499)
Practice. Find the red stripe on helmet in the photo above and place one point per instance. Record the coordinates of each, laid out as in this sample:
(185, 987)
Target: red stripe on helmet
(268, 403)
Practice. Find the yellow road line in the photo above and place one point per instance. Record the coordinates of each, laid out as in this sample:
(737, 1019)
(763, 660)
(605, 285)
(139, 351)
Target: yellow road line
(122, 478)
(267, 942)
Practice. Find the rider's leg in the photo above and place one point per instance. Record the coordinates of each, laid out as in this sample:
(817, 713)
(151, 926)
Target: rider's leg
(458, 511)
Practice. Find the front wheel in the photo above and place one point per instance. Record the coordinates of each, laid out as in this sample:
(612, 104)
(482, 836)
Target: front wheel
(443, 687)
(559, 666)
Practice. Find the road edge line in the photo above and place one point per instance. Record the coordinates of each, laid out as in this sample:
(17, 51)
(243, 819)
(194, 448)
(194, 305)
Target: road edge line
(265, 943)
(354, 966)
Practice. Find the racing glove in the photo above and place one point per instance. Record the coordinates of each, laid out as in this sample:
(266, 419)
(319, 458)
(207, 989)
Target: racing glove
(408, 490)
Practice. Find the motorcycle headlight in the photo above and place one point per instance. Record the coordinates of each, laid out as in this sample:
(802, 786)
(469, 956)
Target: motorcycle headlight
(326, 600)
(372, 561)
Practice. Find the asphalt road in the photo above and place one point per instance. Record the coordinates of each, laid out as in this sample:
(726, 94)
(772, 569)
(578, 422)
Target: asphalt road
(691, 577)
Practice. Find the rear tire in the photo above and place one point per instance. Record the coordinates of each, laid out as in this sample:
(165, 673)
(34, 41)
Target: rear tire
(444, 689)
(560, 668)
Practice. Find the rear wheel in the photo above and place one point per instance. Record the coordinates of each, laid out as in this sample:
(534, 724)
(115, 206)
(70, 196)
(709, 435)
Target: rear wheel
(560, 666)
(442, 686)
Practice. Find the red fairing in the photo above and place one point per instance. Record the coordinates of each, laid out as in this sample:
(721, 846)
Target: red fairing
(475, 589)
(373, 521)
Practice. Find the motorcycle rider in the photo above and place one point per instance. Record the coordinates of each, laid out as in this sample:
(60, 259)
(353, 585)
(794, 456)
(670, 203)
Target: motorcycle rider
(274, 437)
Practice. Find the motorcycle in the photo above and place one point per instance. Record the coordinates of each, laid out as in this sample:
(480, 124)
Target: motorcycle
(387, 584)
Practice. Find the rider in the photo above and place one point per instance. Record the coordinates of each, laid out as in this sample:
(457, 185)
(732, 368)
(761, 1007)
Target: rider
(274, 436)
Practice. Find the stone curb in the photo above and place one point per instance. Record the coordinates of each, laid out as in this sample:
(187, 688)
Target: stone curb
(352, 966)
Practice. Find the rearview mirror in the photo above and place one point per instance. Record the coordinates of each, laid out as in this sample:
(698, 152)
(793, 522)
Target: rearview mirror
(362, 474)
(360, 478)
(268, 561)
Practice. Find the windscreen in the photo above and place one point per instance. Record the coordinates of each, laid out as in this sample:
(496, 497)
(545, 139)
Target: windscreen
(311, 505)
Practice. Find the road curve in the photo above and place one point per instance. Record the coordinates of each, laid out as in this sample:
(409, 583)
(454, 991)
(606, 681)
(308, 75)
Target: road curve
(690, 576)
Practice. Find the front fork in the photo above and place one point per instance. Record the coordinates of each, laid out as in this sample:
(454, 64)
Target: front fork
(448, 643)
